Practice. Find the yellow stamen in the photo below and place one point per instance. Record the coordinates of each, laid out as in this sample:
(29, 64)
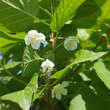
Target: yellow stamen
(59, 91)
(48, 66)
(33, 38)
(69, 44)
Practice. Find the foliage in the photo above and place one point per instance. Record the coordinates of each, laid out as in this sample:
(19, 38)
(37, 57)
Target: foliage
(74, 40)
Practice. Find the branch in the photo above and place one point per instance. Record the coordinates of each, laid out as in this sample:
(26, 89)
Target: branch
(99, 43)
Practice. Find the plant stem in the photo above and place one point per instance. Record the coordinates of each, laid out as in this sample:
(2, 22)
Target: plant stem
(100, 42)
(45, 10)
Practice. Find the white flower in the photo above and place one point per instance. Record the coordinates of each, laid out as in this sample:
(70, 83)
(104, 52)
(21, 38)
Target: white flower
(60, 90)
(47, 66)
(71, 43)
(82, 34)
(35, 39)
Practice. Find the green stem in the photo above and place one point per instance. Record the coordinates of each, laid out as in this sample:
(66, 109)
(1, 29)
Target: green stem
(45, 10)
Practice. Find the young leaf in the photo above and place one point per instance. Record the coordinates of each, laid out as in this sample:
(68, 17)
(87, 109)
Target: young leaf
(65, 11)
(103, 73)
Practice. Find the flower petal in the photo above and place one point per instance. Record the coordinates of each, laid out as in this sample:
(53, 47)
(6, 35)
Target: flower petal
(53, 93)
(51, 64)
(58, 96)
(44, 69)
(64, 91)
(73, 46)
(41, 37)
(43, 64)
(35, 45)
(32, 32)
(65, 83)
(82, 34)
(27, 40)
(47, 65)
(50, 69)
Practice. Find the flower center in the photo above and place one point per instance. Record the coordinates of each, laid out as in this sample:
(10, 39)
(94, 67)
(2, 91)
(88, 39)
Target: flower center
(33, 38)
(48, 66)
(69, 44)
(59, 91)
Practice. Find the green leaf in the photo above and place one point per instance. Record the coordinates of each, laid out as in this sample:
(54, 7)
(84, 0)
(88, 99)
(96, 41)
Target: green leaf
(92, 11)
(77, 103)
(86, 55)
(103, 73)
(10, 67)
(4, 89)
(105, 8)
(65, 11)
(31, 62)
(47, 52)
(8, 41)
(18, 15)
(23, 97)
(87, 14)
(81, 56)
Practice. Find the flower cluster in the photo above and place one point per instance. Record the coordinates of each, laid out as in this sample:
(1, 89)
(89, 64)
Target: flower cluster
(35, 39)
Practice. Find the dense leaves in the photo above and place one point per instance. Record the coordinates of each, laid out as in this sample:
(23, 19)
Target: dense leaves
(79, 77)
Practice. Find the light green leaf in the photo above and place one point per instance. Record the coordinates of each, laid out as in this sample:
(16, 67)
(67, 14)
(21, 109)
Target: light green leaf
(11, 65)
(103, 73)
(86, 55)
(31, 62)
(81, 56)
(23, 97)
(8, 41)
(65, 11)
(105, 8)
(77, 103)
